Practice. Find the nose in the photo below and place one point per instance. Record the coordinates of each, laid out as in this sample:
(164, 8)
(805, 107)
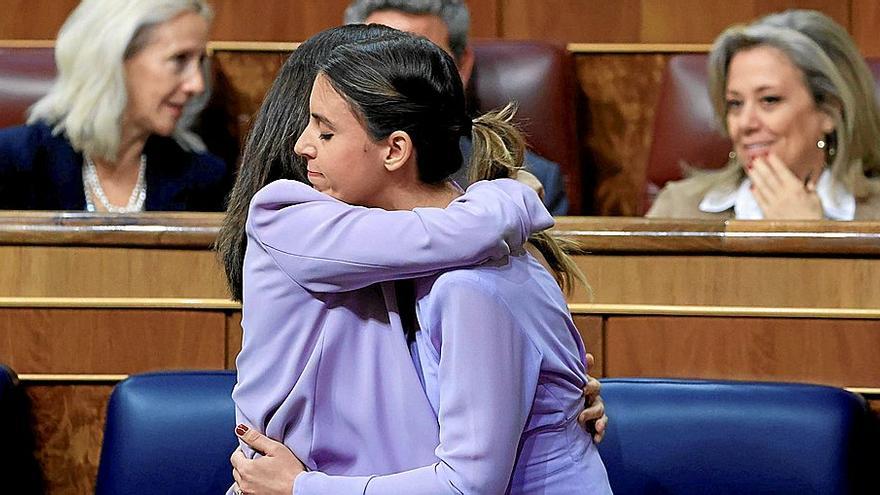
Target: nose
(304, 147)
(194, 83)
(748, 118)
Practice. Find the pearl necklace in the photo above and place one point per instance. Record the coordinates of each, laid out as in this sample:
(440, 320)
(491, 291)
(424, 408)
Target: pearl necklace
(94, 189)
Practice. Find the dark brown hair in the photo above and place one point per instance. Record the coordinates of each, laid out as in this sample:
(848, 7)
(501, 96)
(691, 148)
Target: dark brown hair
(268, 154)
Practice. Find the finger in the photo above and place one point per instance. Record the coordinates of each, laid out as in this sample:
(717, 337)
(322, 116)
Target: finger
(782, 173)
(762, 198)
(591, 389)
(532, 181)
(238, 459)
(760, 175)
(256, 440)
(591, 361)
(601, 428)
(595, 412)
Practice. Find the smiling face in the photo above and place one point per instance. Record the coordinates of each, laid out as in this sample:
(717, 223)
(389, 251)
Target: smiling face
(770, 110)
(163, 76)
(343, 161)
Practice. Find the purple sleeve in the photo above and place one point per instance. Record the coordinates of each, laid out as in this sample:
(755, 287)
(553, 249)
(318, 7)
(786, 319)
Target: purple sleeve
(325, 245)
(487, 376)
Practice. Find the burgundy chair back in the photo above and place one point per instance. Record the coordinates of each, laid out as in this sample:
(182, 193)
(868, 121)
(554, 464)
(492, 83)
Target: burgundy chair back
(684, 126)
(26, 74)
(540, 78)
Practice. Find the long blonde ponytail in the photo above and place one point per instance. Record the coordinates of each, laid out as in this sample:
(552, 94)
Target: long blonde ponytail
(498, 151)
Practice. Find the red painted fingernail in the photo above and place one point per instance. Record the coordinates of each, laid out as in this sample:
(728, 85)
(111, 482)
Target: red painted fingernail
(241, 430)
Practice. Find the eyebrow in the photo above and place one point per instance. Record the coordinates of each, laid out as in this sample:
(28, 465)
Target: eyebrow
(766, 87)
(324, 120)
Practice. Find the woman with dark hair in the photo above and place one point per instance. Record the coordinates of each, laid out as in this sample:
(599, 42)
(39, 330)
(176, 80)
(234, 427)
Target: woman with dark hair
(319, 296)
(496, 350)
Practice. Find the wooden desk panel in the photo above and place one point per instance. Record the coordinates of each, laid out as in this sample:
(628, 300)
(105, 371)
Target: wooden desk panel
(94, 271)
(110, 341)
(592, 333)
(841, 352)
(731, 281)
(758, 267)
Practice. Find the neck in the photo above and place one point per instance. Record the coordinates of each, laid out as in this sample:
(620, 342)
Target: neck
(131, 147)
(420, 195)
(118, 178)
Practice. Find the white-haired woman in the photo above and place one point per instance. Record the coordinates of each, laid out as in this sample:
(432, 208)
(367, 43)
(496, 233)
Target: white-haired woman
(797, 100)
(111, 133)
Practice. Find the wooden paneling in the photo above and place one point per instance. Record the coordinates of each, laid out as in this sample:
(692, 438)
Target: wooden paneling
(732, 281)
(589, 21)
(247, 77)
(571, 20)
(104, 341)
(274, 20)
(640, 261)
(69, 428)
(33, 19)
(644, 21)
(233, 338)
(485, 18)
(108, 272)
(835, 352)
(865, 19)
(618, 124)
(701, 21)
(591, 330)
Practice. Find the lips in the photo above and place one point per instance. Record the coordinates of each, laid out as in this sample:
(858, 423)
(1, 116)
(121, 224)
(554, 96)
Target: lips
(757, 149)
(313, 176)
(176, 110)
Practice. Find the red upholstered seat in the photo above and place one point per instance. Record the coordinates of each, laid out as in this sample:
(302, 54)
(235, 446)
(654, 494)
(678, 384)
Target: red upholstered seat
(540, 78)
(26, 74)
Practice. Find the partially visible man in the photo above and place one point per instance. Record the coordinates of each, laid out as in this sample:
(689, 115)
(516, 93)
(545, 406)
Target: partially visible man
(446, 23)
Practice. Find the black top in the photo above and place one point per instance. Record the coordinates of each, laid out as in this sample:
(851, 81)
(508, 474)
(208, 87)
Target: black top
(39, 171)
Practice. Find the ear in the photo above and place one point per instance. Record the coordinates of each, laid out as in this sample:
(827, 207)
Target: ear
(828, 123)
(399, 150)
(830, 114)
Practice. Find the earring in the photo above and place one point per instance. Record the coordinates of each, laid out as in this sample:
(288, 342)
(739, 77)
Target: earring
(820, 144)
(732, 155)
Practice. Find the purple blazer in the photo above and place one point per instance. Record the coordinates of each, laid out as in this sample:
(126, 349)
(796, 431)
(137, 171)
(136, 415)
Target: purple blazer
(324, 365)
(503, 366)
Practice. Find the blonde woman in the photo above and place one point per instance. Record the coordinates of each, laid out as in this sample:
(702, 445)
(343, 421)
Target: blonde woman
(797, 100)
(111, 134)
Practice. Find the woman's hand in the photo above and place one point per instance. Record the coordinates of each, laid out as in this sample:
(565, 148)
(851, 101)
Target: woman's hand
(274, 473)
(529, 179)
(781, 194)
(593, 417)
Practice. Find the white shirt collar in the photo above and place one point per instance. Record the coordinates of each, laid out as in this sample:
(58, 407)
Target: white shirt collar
(837, 202)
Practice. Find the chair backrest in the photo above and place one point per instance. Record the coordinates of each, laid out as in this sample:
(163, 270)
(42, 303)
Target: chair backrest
(540, 78)
(685, 130)
(17, 455)
(26, 74)
(170, 433)
(680, 437)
